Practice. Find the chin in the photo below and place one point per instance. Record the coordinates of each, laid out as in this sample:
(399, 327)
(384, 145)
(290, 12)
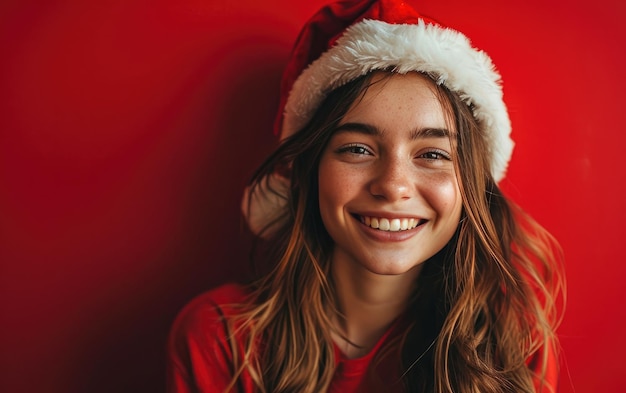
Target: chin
(395, 268)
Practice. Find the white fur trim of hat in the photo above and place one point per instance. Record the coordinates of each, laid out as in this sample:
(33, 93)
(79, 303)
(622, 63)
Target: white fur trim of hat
(368, 45)
(440, 52)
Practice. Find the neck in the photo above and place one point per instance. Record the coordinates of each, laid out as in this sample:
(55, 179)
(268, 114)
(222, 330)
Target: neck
(369, 303)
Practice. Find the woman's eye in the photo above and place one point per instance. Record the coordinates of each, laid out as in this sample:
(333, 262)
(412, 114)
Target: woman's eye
(435, 155)
(355, 149)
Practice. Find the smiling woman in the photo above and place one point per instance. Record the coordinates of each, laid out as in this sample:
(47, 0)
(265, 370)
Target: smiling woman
(384, 166)
(397, 263)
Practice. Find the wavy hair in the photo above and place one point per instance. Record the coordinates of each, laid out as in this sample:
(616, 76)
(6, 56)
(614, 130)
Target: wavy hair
(486, 303)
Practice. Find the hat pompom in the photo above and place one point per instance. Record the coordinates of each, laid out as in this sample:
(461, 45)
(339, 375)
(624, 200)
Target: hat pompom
(263, 205)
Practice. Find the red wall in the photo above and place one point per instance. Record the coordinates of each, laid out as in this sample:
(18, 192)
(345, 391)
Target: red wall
(127, 131)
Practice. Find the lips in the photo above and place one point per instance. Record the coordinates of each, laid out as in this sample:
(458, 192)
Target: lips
(390, 224)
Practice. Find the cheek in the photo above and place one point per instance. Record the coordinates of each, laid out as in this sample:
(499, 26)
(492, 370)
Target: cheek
(336, 188)
(330, 178)
(329, 185)
(444, 195)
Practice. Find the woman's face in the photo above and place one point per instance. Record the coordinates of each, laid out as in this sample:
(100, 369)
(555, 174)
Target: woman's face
(388, 193)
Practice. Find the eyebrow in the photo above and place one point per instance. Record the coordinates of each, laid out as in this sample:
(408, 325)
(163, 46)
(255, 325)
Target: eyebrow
(367, 129)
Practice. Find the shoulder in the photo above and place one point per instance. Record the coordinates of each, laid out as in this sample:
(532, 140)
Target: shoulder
(201, 345)
(210, 310)
(227, 296)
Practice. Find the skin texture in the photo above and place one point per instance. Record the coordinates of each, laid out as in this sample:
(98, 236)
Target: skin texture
(390, 157)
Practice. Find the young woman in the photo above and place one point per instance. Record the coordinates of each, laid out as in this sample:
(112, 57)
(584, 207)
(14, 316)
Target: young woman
(397, 265)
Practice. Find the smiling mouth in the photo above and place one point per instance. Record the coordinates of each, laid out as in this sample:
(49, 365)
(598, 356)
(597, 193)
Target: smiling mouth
(391, 225)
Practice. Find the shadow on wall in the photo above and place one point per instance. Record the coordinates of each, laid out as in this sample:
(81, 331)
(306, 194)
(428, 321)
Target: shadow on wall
(123, 350)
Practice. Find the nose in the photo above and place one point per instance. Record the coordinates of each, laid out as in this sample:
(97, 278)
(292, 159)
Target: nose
(392, 180)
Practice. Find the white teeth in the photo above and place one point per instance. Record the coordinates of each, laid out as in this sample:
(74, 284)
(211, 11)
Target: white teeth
(393, 225)
(405, 224)
(383, 224)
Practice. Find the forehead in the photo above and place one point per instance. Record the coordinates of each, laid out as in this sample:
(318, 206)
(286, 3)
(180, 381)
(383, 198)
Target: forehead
(399, 101)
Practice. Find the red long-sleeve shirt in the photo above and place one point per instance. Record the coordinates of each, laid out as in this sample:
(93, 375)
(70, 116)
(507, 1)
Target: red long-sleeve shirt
(200, 354)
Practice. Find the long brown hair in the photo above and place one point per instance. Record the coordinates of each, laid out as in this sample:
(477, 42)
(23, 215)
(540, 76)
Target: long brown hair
(486, 302)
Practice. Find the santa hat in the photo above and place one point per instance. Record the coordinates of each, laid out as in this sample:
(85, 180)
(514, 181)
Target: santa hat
(348, 39)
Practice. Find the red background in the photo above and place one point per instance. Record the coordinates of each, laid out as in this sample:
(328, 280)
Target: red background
(127, 130)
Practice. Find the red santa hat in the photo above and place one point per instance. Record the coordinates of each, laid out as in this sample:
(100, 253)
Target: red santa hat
(348, 39)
